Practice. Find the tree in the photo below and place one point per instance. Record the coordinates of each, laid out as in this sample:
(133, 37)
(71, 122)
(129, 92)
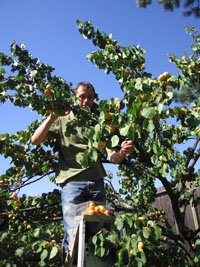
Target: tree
(145, 115)
(191, 6)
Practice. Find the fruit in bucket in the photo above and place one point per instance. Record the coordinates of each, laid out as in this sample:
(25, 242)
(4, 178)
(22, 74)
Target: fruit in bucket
(94, 209)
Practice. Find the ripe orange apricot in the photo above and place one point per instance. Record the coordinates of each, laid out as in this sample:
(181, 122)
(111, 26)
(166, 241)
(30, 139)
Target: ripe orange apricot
(109, 115)
(141, 67)
(101, 208)
(46, 92)
(184, 58)
(90, 212)
(112, 127)
(46, 245)
(14, 195)
(97, 211)
(127, 72)
(118, 105)
(101, 145)
(48, 87)
(118, 47)
(143, 97)
(106, 212)
(92, 205)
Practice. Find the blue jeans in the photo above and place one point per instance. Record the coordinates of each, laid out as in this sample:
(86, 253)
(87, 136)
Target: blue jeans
(73, 196)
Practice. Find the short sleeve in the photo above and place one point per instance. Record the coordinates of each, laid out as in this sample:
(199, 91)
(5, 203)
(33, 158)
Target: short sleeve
(54, 130)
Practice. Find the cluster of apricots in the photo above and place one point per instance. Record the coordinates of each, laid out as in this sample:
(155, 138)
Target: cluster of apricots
(94, 209)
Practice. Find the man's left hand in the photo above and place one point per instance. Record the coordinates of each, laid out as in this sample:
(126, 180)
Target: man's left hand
(127, 147)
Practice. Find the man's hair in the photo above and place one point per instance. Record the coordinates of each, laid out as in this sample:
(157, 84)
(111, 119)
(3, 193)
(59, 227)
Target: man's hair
(88, 85)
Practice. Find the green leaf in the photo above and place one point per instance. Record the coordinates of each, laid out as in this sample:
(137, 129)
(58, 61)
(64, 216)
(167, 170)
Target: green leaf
(124, 131)
(123, 256)
(36, 232)
(82, 159)
(44, 254)
(42, 263)
(148, 113)
(113, 238)
(94, 155)
(146, 233)
(94, 239)
(163, 170)
(114, 140)
(170, 95)
(157, 231)
(53, 252)
(2, 71)
(149, 125)
(100, 251)
(143, 257)
(4, 236)
(119, 223)
(155, 148)
(134, 245)
(19, 252)
(129, 221)
(160, 107)
(173, 78)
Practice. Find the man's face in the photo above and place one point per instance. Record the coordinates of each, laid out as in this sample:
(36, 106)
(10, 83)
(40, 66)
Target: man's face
(86, 96)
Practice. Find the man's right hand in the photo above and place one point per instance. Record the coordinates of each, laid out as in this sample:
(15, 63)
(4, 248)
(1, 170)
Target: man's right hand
(54, 116)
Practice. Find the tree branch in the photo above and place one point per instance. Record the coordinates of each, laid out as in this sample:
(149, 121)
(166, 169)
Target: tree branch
(120, 205)
(192, 149)
(28, 183)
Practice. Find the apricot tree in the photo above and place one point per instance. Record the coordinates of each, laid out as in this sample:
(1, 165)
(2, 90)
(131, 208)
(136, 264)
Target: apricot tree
(31, 230)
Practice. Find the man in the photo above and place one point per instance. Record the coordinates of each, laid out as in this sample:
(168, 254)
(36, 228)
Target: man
(78, 184)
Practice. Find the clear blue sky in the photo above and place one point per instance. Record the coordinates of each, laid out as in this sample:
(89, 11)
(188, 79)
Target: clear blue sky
(48, 30)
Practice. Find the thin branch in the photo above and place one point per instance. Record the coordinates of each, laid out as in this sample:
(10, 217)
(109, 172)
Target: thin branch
(195, 159)
(113, 190)
(25, 183)
(192, 149)
(120, 205)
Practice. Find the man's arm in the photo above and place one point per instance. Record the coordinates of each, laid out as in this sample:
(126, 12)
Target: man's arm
(117, 156)
(40, 134)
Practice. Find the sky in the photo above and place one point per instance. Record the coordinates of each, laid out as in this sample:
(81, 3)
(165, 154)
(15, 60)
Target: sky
(48, 30)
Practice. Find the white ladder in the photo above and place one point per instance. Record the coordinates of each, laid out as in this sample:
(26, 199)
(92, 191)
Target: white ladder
(78, 234)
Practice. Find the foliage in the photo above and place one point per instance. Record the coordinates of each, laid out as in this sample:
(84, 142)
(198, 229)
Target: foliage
(189, 67)
(146, 115)
(191, 6)
(31, 230)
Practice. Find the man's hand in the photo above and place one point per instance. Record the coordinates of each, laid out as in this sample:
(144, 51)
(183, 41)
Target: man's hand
(54, 116)
(117, 156)
(127, 147)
